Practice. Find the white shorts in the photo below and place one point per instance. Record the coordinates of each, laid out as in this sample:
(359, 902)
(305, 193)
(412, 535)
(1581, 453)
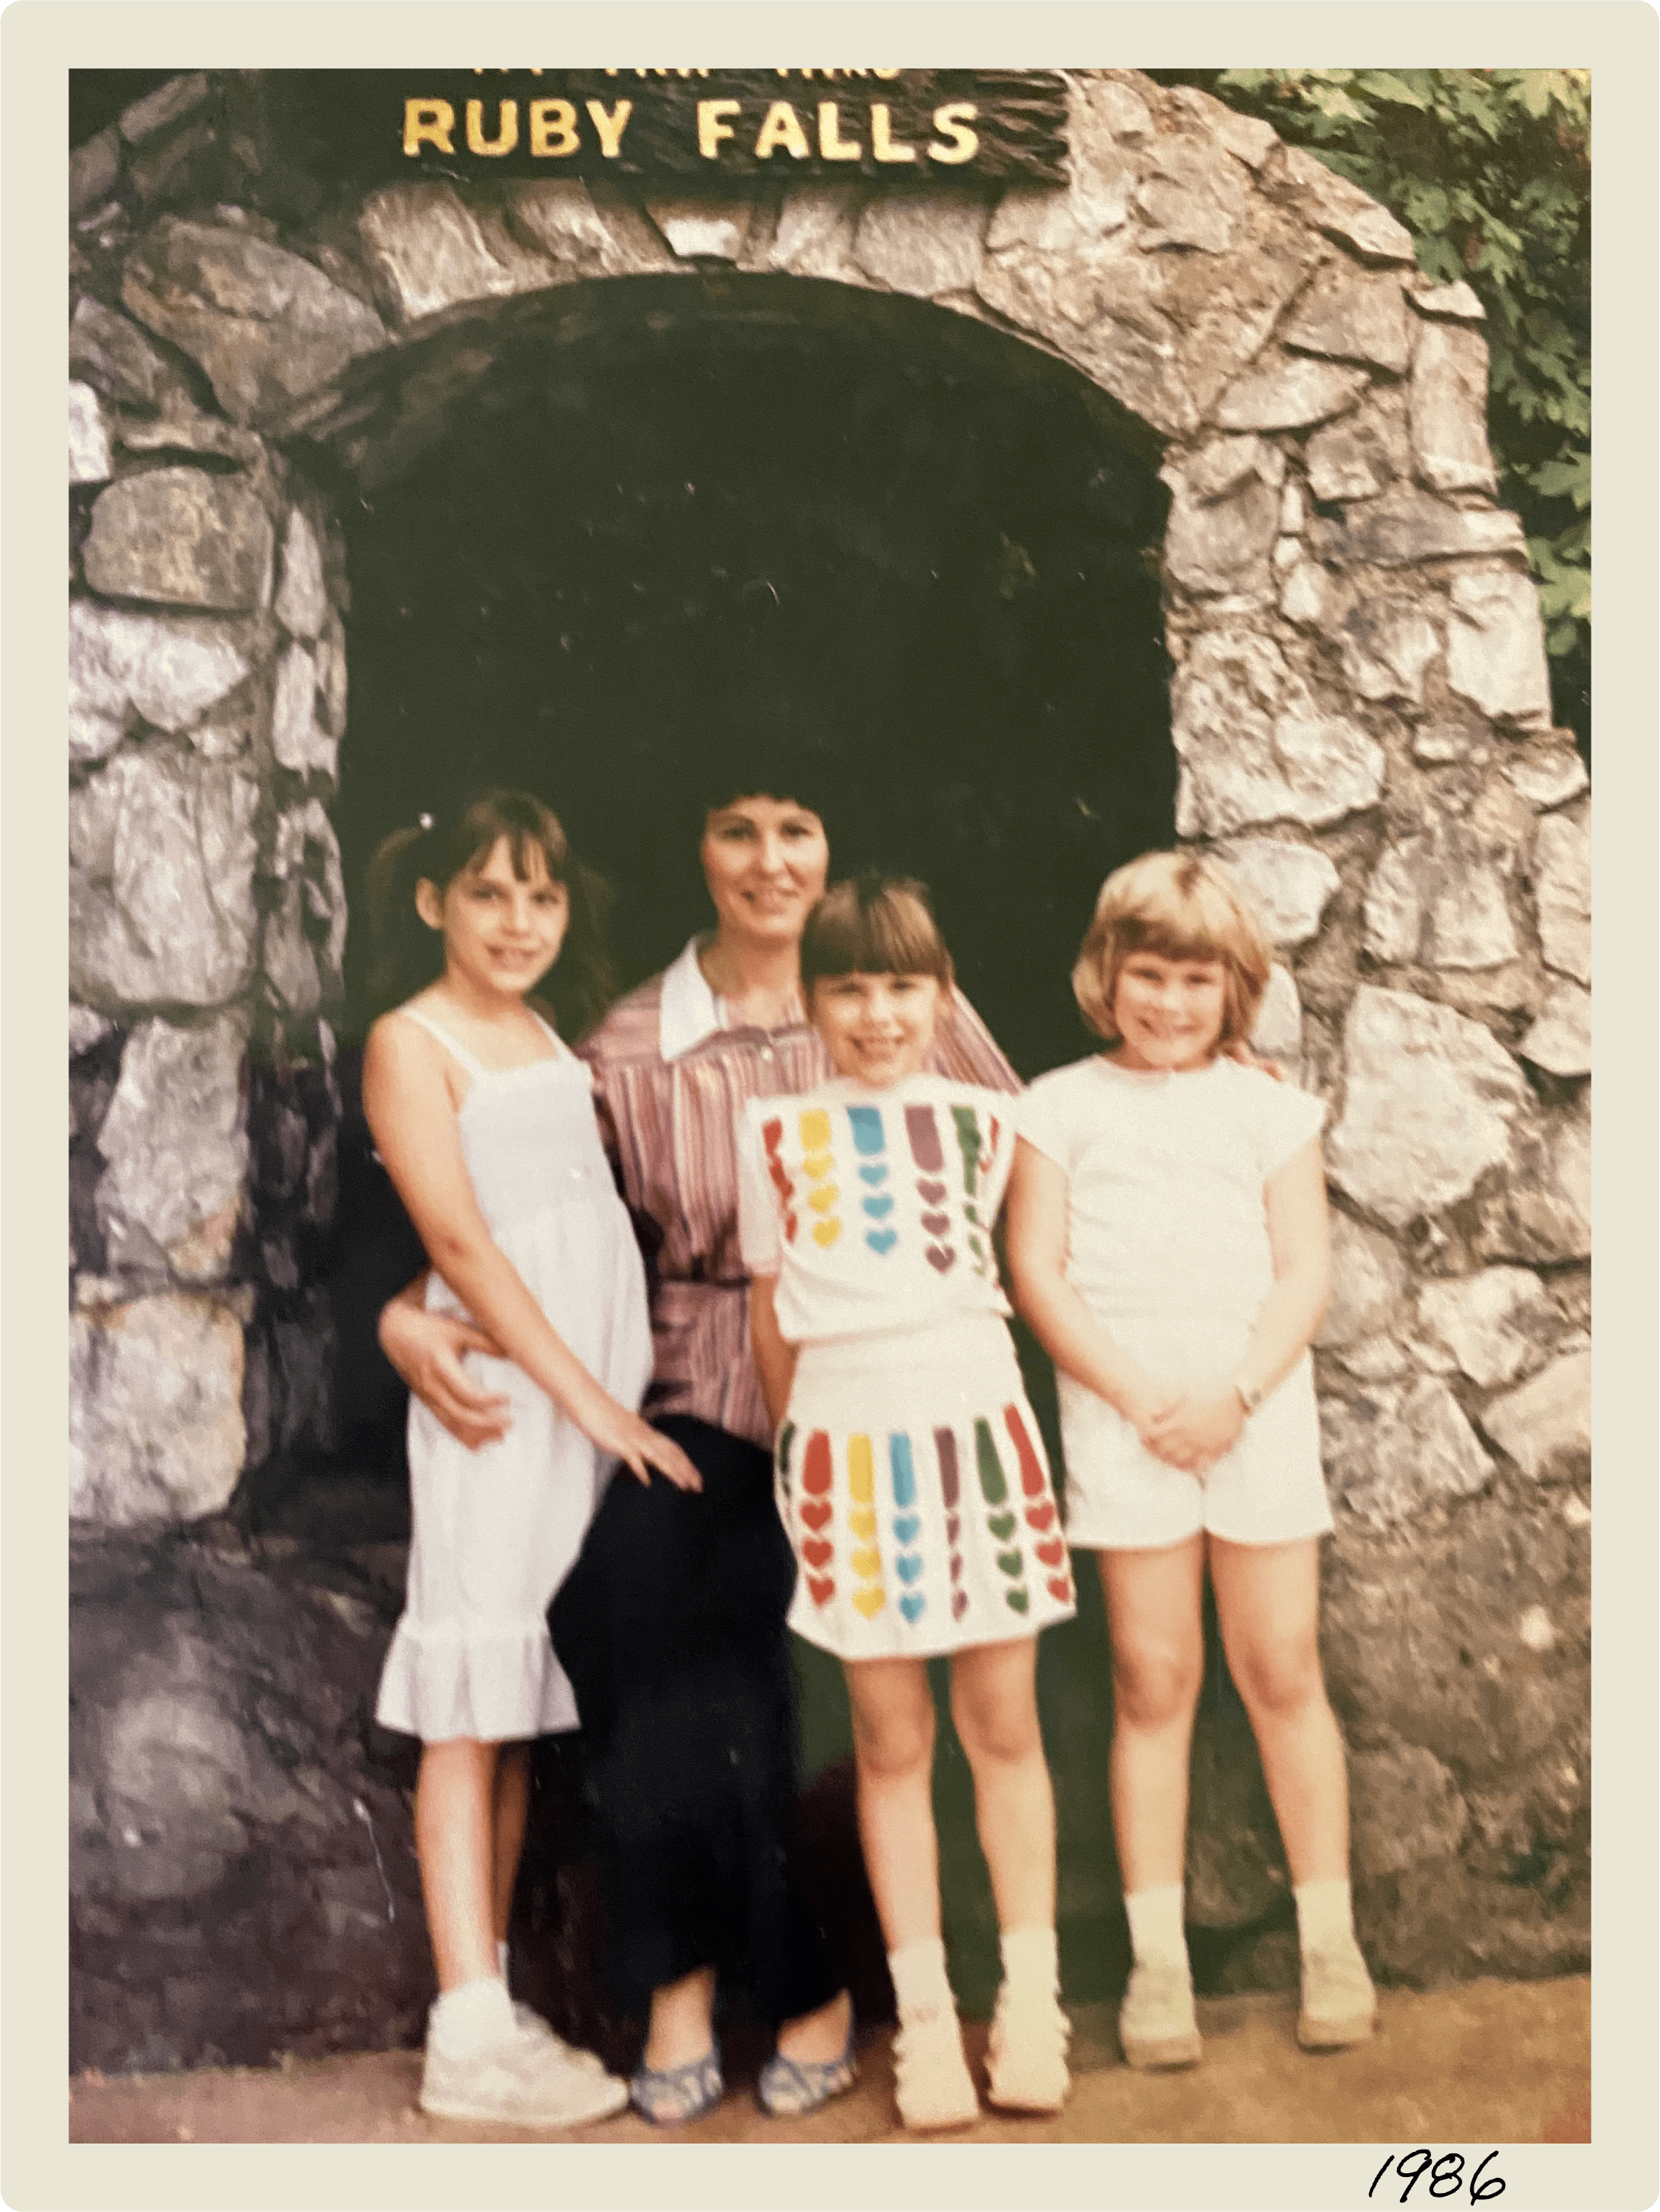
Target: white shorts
(1269, 1489)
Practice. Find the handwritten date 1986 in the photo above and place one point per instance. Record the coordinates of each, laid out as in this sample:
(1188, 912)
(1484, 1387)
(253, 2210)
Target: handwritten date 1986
(1446, 2175)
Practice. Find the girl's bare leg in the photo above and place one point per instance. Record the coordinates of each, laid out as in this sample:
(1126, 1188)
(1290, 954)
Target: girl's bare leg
(893, 1754)
(512, 1810)
(454, 1841)
(993, 1700)
(1156, 1627)
(682, 2026)
(1268, 1603)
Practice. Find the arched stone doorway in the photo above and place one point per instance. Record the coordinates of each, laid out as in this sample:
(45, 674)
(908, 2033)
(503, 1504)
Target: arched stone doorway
(1358, 708)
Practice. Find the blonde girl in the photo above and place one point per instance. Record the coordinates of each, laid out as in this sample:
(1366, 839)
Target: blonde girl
(1168, 1245)
(484, 1120)
(910, 1473)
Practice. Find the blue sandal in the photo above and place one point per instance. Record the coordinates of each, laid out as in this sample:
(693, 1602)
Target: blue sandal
(670, 2095)
(789, 2088)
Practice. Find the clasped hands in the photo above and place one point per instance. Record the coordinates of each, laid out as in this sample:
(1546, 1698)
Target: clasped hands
(1190, 1429)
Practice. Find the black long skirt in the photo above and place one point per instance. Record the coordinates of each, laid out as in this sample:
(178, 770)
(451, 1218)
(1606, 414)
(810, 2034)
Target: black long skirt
(672, 1629)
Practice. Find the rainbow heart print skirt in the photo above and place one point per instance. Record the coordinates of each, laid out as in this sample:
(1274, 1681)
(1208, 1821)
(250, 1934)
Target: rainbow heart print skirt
(913, 1482)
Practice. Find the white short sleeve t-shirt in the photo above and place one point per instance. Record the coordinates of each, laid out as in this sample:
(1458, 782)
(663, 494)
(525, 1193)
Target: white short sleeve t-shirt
(1166, 1173)
(874, 1208)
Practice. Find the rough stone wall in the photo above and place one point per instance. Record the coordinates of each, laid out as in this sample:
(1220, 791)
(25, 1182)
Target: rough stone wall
(1361, 712)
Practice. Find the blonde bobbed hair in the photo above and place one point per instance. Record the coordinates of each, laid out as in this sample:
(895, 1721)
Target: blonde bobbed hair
(1183, 907)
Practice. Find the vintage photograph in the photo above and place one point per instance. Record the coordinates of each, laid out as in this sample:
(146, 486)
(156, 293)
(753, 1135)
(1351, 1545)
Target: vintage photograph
(830, 1050)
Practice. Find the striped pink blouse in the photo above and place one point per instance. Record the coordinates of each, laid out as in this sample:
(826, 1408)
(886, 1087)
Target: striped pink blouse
(670, 1076)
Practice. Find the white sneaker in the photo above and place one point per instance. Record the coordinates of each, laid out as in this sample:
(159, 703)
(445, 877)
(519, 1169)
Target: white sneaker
(534, 2024)
(526, 2081)
(1028, 2053)
(932, 2083)
(1339, 2002)
(1157, 2024)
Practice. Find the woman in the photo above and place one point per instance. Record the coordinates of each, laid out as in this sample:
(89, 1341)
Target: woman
(672, 1626)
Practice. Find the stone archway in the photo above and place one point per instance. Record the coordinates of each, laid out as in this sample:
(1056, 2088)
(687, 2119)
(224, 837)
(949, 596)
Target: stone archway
(1360, 713)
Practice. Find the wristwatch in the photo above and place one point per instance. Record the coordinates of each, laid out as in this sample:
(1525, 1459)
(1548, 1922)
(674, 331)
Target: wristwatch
(1251, 1394)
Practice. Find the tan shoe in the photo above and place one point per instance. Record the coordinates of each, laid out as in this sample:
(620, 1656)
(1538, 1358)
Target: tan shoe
(1156, 2022)
(932, 2083)
(1028, 2054)
(523, 2081)
(1339, 2006)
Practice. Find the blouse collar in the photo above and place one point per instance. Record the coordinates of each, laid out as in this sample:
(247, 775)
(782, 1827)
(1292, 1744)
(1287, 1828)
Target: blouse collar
(689, 1011)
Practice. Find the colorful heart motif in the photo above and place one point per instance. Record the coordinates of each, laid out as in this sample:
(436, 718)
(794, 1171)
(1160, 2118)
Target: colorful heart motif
(816, 1466)
(876, 1207)
(817, 1553)
(821, 1591)
(1017, 1598)
(1061, 1587)
(770, 1134)
(908, 1566)
(870, 1602)
(881, 1240)
(932, 1193)
(861, 1471)
(1002, 1526)
(1031, 1468)
(823, 1197)
(866, 1561)
(874, 1175)
(1009, 1562)
(826, 1232)
(953, 1526)
(816, 1511)
(862, 1521)
(815, 1164)
(959, 1604)
(936, 1223)
(1053, 1552)
(905, 1526)
(1040, 1516)
(912, 1606)
(957, 1566)
(940, 1257)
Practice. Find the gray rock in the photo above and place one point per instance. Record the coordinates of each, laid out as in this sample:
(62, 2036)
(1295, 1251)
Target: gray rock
(1404, 526)
(1437, 742)
(268, 328)
(1431, 1100)
(1388, 644)
(1256, 746)
(114, 354)
(86, 1028)
(1306, 595)
(1121, 108)
(296, 738)
(815, 232)
(90, 460)
(1449, 412)
(1456, 302)
(187, 431)
(1096, 201)
(1559, 1041)
(1405, 1810)
(1496, 1324)
(1342, 467)
(1545, 1426)
(1223, 467)
(176, 1150)
(701, 230)
(161, 882)
(557, 217)
(155, 1409)
(1396, 1450)
(304, 934)
(1193, 197)
(1343, 211)
(1278, 1033)
(179, 535)
(1548, 778)
(1368, 1281)
(1540, 1210)
(1289, 885)
(331, 679)
(1438, 900)
(1380, 1359)
(1348, 315)
(1222, 544)
(94, 165)
(920, 243)
(165, 670)
(301, 604)
(168, 104)
(1288, 392)
(1561, 883)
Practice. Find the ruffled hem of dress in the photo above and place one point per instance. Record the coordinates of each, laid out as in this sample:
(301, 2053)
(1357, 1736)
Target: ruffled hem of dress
(487, 1689)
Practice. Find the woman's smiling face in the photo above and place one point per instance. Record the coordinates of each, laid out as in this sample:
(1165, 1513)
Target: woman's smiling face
(764, 860)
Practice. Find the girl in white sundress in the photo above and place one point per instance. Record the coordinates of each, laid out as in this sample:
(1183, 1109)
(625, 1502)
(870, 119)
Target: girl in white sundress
(1167, 1244)
(484, 1120)
(910, 1472)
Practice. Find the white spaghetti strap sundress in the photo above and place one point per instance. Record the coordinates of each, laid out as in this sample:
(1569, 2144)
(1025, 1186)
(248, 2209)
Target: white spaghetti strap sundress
(495, 1531)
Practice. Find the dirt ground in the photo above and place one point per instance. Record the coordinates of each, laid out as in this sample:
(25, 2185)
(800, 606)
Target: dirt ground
(1495, 2063)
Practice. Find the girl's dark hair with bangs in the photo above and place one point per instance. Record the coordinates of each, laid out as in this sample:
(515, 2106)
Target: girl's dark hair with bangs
(873, 925)
(407, 956)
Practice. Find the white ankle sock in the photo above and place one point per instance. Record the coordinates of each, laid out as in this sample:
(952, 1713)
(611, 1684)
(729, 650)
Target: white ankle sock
(921, 1984)
(501, 1958)
(1155, 1918)
(1325, 1916)
(1032, 1960)
(471, 2017)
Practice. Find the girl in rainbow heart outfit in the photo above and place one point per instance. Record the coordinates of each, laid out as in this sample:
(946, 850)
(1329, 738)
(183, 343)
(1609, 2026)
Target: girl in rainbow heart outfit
(911, 1475)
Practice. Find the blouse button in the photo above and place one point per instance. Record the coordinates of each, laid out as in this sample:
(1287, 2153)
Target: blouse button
(767, 1054)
